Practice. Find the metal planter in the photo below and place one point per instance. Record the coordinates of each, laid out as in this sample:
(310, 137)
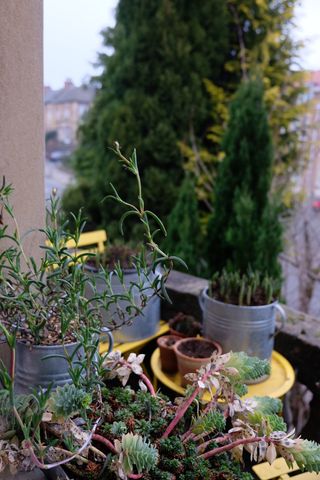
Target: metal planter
(34, 370)
(44, 365)
(241, 329)
(5, 355)
(142, 326)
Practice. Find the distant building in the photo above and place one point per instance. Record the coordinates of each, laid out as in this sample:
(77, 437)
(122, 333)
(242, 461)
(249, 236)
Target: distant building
(64, 110)
(313, 84)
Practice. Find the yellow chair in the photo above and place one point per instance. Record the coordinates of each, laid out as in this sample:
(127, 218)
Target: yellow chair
(279, 470)
(95, 241)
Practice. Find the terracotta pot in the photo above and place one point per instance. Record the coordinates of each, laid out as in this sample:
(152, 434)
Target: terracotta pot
(176, 325)
(167, 355)
(190, 364)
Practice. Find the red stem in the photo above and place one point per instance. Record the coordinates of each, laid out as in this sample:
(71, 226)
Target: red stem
(212, 403)
(204, 445)
(105, 441)
(189, 435)
(143, 377)
(195, 438)
(183, 408)
(148, 384)
(230, 446)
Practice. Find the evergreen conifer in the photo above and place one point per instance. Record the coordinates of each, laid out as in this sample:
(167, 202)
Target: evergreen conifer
(151, 94)
(184, 231)
(244, 230)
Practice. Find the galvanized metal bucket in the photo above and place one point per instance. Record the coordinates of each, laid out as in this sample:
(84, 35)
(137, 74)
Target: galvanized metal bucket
(44, 365)
(34, 370)
(241, 329)
(142, 326)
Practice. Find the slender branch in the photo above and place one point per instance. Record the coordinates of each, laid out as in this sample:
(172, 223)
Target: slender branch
(12, 363)
(200, 436)
(148, 384)
(44, 466)
(97, 451)
(230, 446)
(69, 454)
(242, 46)
(184, 407)
(104, 441)
(212, 403)
(12, 374)
(189, 435)
(143, 377)
(222, 439)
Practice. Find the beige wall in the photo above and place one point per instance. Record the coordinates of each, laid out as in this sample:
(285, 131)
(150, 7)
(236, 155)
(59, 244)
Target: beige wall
(21, 109)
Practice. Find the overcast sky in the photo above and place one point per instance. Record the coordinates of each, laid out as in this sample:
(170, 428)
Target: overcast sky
(72, 36)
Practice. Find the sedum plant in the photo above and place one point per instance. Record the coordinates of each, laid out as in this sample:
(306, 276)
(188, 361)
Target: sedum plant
(249, 289)
(194, 438)
(68, 400)
(135, 452)
(126, 433)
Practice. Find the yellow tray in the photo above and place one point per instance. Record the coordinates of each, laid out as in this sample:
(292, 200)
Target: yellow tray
(276, 386)
(137, 345)
(279, 470)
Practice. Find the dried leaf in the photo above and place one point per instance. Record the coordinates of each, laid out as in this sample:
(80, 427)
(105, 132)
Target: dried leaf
(271, 454)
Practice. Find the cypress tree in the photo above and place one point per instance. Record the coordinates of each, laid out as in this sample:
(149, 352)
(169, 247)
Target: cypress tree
(183, 238)
(243, 219)
(261, 39)
(151, 94)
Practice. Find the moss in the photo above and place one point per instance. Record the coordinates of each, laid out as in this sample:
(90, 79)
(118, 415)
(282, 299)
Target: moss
(147, 403)
(172, 465)
(143, 427)
(123, 395)
(157, 474)
(171, 447)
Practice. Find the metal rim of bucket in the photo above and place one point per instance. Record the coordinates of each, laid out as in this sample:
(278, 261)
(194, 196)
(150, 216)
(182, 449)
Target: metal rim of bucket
(44, 347)
(204, 295)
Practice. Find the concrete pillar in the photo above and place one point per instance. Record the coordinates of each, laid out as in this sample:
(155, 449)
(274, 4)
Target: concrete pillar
(21, 111)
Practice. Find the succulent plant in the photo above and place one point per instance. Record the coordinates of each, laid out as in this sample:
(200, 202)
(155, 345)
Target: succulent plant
(69, 400)
(135, 452)
(251, 288)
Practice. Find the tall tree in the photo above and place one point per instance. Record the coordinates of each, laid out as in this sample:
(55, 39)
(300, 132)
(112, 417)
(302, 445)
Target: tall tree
(184, 233)
(151, 96)
(244, 230)
(262, 41)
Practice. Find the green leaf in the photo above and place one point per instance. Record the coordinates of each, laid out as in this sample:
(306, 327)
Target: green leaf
(158, 221)
(124, 217)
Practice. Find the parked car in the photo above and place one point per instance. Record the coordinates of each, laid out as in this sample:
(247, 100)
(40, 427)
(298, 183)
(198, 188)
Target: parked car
(316, 205)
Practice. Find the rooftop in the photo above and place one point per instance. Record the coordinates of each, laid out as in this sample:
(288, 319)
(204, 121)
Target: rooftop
(69, 94)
